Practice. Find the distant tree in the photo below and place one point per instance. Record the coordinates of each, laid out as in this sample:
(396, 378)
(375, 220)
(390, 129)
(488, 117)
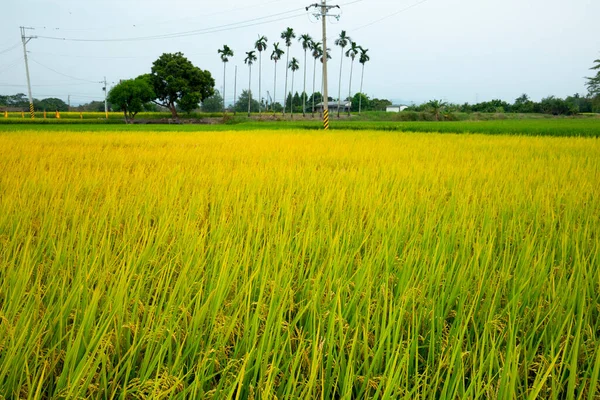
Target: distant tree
(360, 100)
(260, 45)
(276, 107)
(436, 107)
(380, 104)
(177, 82)
(307, 44)
(317, 52)
(225, 53)
(363, 59)
(130, 96)
(523, 105)
(294, 66)
(213, 103)
(241, 104)
(51, 104)
(555, 106)
(250, 58)
(352, 53)
(276, 56)
(287, 35)
(593, 83)
(341, 41)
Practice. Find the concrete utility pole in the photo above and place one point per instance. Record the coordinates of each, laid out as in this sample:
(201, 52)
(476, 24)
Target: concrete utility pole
(105, 88)
(25, 40)
(323, 14)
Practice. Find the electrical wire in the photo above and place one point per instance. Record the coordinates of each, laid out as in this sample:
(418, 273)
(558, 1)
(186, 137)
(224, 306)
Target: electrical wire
(60, 73)
(389, 15)
(214, 29)
(10, 65)
(10, 48)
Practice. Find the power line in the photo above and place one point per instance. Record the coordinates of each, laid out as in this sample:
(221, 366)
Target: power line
(215, 29)
(389, 15)
(60, 73)
(10, 48)
(12, 64)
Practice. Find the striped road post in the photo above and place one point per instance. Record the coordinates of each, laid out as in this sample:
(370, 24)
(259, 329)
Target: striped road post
(326, 119)
(31, 111)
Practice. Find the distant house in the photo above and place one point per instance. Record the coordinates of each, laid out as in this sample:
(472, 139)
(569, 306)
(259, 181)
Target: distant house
(397, 108)
(333, 106)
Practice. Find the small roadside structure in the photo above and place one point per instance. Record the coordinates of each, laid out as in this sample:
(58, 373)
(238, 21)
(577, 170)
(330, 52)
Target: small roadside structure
(396, 108)
(333, 106)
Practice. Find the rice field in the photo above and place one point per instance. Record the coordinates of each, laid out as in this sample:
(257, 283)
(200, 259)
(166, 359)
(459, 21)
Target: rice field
(298, 264)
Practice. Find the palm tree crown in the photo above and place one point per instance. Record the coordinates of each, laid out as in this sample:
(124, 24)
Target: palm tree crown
(364, 57)
(250, 57)
(277, 52)
(288, 35)
(294, 64)
(317, 49)
(353, 50)
(342, 40)
(306, 41)
(225, 53)
(261, 43)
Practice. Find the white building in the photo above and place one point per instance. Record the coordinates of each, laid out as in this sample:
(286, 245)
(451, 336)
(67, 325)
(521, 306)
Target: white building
(395, 108)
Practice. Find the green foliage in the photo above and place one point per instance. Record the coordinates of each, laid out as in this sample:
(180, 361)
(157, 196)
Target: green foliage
(555, 106)
(593, 83)
(363, 100)
(241, 104)
(130, 96)
(51, 104)
(213, 103)
(177, 82)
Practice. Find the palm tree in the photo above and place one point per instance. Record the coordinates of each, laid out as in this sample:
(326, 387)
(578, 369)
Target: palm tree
(352, 53)
(260, 45)
(250, 58)
(275, 56)
(363, 59)
(294, 66)
(436, 107)
(341, 41)
(287, 35)
(307, 44)
(225, 53)
(317, 52)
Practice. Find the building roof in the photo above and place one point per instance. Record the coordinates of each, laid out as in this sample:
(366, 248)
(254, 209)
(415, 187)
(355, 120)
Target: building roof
(335, 104)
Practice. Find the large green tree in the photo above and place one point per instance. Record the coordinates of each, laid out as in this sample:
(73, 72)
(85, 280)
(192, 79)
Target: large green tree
(131, 95)
(179, 83)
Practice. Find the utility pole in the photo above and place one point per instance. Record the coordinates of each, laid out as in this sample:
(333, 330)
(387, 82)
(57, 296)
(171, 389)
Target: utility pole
(105, 88)
(25, 40)
(323, 14)
(69, 102)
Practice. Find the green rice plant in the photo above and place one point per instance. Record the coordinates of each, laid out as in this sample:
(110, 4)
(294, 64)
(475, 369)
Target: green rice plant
(298, 264)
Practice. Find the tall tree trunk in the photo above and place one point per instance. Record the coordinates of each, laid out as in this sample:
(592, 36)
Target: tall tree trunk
(340, 84)
(292, 98)
(286, 79)
(362, 77)
(313, 91)
(224, 75)
(350, 85)
(274, 89)
(173, 111)
(259, 80)
(304, 90)
(249, 89)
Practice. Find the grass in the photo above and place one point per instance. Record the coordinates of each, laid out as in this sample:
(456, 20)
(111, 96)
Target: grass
(298, 264)
(586, 127)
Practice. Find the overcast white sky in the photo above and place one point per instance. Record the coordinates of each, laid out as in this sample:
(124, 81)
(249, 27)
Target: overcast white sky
(456, 50)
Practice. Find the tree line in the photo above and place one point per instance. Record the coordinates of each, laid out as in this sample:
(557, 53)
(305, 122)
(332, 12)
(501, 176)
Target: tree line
(293, 102)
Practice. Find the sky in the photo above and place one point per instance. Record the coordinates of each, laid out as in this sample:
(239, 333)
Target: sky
(454, 50)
